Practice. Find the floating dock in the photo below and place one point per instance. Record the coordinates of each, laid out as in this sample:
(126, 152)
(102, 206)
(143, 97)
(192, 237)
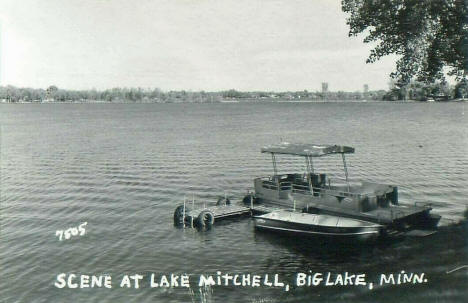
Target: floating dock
(220, 211)
(196, 215)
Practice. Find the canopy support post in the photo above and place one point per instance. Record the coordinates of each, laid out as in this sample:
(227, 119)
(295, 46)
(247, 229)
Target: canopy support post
(273, 158)
(311, 164)
(345, 170)
(310, 169)
(275, 172)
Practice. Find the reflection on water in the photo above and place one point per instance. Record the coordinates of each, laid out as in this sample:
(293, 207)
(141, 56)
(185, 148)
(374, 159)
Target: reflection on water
(325, 251)
(123, 168)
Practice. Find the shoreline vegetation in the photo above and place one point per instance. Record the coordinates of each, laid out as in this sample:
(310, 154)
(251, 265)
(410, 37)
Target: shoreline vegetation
(415, 91)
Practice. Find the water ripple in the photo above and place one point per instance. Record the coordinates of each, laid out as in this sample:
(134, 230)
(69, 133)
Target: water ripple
(123, 168)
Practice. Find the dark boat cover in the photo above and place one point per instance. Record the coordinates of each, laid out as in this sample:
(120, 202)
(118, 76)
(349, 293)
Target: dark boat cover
(312, 150)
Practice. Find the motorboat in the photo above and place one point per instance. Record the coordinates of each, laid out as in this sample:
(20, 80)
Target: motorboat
(318, 225)
(315, 192)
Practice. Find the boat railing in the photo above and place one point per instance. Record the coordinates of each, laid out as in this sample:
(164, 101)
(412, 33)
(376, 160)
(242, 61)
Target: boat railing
(302, 189)
(268, 184)
(339, 193)
(306, 189)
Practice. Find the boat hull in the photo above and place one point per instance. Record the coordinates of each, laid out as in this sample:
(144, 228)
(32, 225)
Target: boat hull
(366, 232)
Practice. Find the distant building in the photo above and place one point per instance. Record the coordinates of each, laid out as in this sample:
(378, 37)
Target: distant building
(366, 88)
(324, 87)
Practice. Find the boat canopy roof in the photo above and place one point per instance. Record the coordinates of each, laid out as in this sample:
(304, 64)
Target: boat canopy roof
(311, 150)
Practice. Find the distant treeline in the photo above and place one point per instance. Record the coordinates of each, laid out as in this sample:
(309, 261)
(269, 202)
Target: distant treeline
(413, 91)
(54, 94)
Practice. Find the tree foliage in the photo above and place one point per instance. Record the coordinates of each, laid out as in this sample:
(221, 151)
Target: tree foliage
(428, 36)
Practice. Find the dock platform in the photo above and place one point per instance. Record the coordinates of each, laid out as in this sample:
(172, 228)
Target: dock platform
(196, 215)
(204, 215)
(220, 211)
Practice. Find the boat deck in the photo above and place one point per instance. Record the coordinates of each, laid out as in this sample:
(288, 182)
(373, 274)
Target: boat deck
(315, 219)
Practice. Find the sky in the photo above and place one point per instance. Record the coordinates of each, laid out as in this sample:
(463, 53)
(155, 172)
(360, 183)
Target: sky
(189, 45)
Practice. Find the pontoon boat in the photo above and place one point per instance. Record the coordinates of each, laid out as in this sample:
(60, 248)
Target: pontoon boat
(314, 192)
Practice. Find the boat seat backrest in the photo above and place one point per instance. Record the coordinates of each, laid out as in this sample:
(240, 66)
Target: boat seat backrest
(318, 180)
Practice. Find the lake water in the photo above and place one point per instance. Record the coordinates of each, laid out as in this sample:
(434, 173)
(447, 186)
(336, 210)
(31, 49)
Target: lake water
(123, 168)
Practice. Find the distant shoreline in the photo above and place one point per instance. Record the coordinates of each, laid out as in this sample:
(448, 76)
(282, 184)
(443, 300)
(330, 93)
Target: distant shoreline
(237, 101)
(416, 92)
